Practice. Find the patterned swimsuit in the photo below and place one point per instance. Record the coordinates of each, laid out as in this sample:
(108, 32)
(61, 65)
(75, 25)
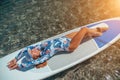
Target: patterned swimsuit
(48, 49)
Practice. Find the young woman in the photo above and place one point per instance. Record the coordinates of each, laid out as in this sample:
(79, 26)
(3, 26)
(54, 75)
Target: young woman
(38, 55)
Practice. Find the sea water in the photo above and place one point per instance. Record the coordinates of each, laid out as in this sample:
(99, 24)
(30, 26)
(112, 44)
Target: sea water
(24, 22)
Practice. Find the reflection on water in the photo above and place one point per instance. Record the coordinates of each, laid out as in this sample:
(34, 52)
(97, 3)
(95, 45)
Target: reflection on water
(24, 22)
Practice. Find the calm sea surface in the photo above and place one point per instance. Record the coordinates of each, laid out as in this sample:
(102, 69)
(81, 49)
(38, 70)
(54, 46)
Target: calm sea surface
(24, 22)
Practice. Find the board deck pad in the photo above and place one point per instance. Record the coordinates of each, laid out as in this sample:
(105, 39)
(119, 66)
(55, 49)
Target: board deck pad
(113, 31)
(65, 60)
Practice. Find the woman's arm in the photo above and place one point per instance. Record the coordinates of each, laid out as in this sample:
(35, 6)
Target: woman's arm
(35, 62)
(13, 63)
(21, 54)
(25, 50)
(40, 60)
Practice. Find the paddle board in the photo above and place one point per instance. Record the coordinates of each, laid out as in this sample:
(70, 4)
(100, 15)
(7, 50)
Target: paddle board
(64, 61)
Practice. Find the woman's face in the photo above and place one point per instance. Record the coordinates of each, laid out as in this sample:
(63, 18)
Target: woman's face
(35, 53)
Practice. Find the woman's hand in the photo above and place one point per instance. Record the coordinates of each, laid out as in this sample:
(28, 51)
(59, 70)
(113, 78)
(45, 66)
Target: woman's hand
(41, 65)
(13, 64)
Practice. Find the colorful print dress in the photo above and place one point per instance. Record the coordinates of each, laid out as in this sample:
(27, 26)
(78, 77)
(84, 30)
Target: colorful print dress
(48, 49)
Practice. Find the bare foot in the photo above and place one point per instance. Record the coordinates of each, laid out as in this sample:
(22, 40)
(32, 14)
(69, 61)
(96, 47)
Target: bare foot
(102, 29)
(95, 32)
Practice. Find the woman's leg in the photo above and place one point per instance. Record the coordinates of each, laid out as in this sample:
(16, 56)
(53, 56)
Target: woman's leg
(77, 37)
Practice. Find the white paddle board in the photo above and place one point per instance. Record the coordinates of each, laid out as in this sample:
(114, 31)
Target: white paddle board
(64, 61)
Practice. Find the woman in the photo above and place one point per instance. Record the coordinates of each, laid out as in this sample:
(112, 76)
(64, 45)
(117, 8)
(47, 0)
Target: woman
(38, 55)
